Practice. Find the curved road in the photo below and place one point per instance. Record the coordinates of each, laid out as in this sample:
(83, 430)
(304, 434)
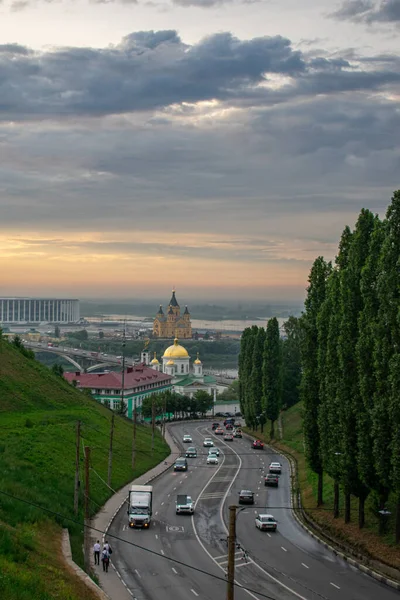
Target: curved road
(284, 565)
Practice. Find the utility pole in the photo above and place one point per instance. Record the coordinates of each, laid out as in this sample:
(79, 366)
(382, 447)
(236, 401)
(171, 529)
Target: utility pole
(134, 434)
(153, 423)
(86, 533)
(77, 461)
(230, 590)
(123, 374)
(110, 451)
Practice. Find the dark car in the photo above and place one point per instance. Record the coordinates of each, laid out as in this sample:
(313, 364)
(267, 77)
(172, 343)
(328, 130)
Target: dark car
(271, 479)
(181, 464)
(191, 452)
(214, 426)
(246, 497)
(229, 421)
(238, 414)
(258, 445)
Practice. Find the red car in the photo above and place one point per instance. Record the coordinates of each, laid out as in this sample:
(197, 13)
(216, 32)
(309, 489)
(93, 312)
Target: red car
(228, 427)
(258, 445)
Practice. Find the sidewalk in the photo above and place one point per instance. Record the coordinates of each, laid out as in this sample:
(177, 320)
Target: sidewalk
(111, 582)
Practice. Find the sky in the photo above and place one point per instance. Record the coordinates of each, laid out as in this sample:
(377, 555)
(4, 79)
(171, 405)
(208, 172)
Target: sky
(215, 146)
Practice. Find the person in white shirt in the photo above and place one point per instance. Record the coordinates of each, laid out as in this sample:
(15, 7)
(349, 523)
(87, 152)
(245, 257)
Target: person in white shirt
(96, 551)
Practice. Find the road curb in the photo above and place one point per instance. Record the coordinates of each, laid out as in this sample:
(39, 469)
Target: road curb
(296, 503)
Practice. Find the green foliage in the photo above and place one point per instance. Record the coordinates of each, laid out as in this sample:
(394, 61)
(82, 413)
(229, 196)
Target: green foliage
(81, 335)
(231, 393)
(272, 373)
(170, 403)
(57, 332)
(57, 370)
(291, 362)
(39, 412)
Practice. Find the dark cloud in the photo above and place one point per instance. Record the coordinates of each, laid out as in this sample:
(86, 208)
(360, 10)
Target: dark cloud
(369, 11)
(151, 70)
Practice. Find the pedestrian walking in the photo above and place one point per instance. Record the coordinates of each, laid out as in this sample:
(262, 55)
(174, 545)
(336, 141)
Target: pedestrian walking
(105, 559)
(108, 548)
(96, 552)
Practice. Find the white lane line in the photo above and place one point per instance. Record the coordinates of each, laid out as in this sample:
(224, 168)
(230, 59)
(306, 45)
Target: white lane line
(268, 534)
(334, 585)
(175, 571)
(284, 549)
(156, 537)
(169, 495)
(162, 503)
(137, 573)
(305, 566)
(156, 513)
(174, 489)
(162, 552)
(194, 592)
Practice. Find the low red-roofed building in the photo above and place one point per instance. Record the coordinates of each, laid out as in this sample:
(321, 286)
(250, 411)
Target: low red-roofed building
(140, 381)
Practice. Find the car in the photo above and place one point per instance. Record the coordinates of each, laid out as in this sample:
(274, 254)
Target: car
(229, 421)
(208, 442)
(246, 497)
(219, 431)
(219, 414)
(213, 452)
(238, 414)
(191, 452)
(271, 479)
(237, 433)
(266, 523)
(181, 464)
(228, 414)
(258, 445)
(212, 459)
(187, 439)
(215, 426)
(229, 427)
(275, 467)
(104, 354)
(228, 437)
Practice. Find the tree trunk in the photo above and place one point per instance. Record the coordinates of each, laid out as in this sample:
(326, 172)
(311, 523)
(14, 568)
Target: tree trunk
(272, 432)
(361, 511)
(320, 499)
(347, 513)
(262, 427)
(336, 500)
(397, 530)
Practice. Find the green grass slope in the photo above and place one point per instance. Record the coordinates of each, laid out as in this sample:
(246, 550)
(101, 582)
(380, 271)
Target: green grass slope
(38, 415)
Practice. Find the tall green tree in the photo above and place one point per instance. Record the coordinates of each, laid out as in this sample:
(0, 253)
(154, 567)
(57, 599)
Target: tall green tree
(291, 362)
(272, 373)
(394, 413)
(387, 344)
(351, 405)
(310, 383)
(242, 373)
(256, 375)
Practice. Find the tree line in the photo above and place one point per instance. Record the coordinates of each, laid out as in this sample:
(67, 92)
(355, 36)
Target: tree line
(351, 364)
(174, 406)
(269, 371)
(347, 342)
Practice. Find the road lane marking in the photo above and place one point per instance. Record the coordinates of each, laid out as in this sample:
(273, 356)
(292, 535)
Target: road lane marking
(162, 552)
(305, 566)
(284, 549)
(137, 573)
(334, 585)
(193, 592)
(156, 537)
(162, 503)
(268, 534)
(175, 571)
(156, 513)
(174, 488)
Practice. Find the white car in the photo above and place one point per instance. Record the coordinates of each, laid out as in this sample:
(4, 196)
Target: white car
(208, 442)
(213, 452)
(275, 467)
(212, 459)
(187, 439)
(266, 523)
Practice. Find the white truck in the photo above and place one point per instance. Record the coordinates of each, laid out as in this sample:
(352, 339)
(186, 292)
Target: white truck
(184, 505)
(140, 506)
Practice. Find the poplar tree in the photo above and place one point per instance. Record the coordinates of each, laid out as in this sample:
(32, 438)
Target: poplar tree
(291, 362)
(256, 377)
(329, 407)
(310, 383)
(244, 344)
(394, 412)
(387, 344)
(350, 400)
(367, 322)
(272, 374)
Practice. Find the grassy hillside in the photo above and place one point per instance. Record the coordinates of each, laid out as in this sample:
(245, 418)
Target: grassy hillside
(38, 415)
(367, 540)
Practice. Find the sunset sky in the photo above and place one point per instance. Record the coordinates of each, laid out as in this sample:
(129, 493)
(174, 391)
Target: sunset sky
(218, 146)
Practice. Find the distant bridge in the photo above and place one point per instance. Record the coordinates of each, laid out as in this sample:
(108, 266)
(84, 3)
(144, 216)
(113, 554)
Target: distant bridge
(72, 355)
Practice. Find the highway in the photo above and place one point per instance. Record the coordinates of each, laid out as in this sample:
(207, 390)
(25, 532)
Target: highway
(284, 565)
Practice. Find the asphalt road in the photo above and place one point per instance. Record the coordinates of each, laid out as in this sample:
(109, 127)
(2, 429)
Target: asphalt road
(284, 565)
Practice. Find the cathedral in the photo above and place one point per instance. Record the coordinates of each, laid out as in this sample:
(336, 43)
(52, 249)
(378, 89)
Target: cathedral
(172, 324)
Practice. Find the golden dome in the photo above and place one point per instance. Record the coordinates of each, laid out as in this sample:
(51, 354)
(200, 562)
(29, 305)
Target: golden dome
(176, 351)
(155, 361)
(170, 363)
(197, 361)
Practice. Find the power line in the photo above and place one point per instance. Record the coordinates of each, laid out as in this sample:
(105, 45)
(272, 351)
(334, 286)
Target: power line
(152, 552)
